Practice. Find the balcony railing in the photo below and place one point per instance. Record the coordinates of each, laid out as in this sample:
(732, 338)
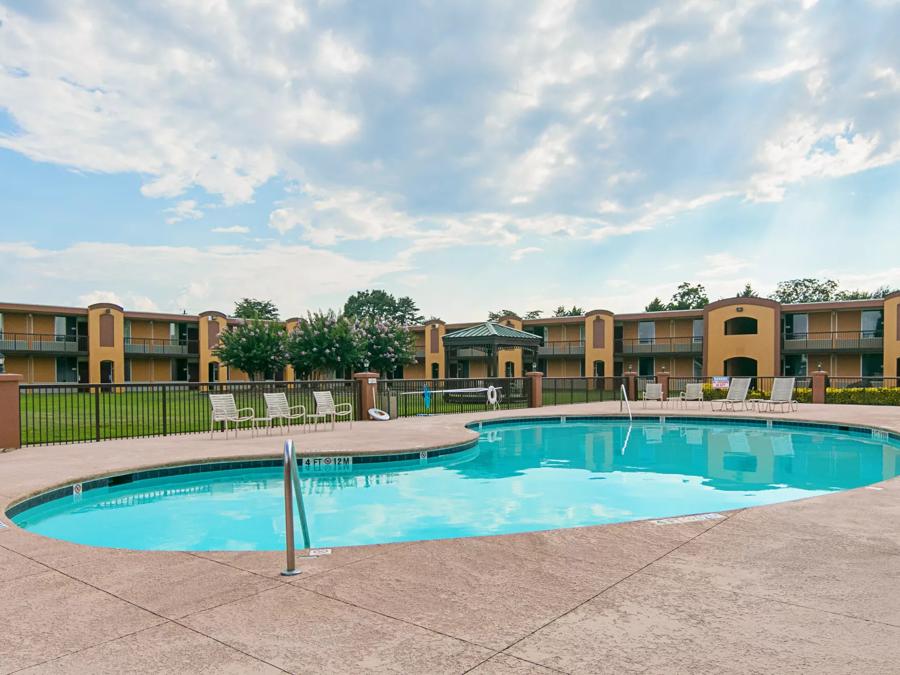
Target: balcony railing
(833, 341)
(562, 348)
(160, 346)
(46, 343)
(663, 345)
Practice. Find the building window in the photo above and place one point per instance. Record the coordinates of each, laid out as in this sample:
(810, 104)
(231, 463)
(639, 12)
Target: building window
(741, 325)
(66, 369)
(697, 370)
(646, 366)
(510, 369)
(796, 365)
(599, 368)
(872, 365)
(128, 370)
(646, 332)
(436, 370)
(796, 326)
(872, 323)
(697, 330)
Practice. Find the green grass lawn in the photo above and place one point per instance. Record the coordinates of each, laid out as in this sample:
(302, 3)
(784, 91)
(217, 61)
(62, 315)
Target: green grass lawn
(87, 416)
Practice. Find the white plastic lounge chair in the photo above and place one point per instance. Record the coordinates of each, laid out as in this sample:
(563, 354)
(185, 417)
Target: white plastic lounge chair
(278, 408)
(652, 392)
(326, 407)
(225, 410)
(737, 395)
(782, 394)
(692, 392)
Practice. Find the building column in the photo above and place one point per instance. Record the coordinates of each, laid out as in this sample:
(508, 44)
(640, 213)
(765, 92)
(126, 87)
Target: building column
(536, 388)
(663, 380)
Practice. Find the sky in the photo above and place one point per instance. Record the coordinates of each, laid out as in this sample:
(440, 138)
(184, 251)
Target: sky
(177, 155)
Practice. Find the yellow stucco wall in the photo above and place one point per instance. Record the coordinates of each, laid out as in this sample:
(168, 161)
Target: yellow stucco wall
(849, 320)
(718, 347)
(436, 356)
(510, 355)
(96, 353)
(205, 349)
(891, 337)
(415, 371)
(591, 353)
(15, 323)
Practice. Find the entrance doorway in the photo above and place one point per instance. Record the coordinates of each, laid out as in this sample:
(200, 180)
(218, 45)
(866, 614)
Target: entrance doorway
(740, 366)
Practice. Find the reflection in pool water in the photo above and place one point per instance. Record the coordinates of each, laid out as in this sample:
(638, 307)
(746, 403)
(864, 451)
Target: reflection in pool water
(520, 477)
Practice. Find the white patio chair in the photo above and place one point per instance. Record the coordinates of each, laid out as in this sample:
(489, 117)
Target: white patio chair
(782, 394)
(278, 408)
(692, 392)
(736, 396)
(326, 407)
(652, 392)
(225, 410)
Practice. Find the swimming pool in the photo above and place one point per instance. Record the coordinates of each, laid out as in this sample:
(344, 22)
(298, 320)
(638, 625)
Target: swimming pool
(521, 475)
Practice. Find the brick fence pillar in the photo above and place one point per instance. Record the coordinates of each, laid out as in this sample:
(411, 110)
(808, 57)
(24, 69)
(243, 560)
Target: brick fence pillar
(10, 431)
(819, 378)
(663, 380)
(631, 384)
(536, 385)
(368, 386)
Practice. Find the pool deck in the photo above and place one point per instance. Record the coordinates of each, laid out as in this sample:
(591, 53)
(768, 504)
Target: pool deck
(806, 586)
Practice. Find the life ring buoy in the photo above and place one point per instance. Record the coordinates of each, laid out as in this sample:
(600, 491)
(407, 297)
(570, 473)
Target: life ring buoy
(492, 395)
(379, 415)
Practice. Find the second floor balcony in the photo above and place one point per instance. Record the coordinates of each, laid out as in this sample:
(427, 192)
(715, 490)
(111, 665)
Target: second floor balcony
(160, 347)
(660, 345)
(833, 341)
(562, 348)
(49, 343)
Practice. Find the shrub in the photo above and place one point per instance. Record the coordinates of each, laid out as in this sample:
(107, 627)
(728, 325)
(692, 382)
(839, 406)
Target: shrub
(863, 395)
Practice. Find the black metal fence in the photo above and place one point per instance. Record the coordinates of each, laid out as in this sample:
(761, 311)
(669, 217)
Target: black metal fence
(563, 390)
(405, 398)
(717, 387)
(73, 413)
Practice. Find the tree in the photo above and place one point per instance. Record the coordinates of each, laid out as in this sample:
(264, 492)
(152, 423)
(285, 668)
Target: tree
(748, 292)
(656, 305)
(324, 341)
(533, 314)
(689, 296)
(380, 305)
(256, 347)
(384, 346)
(880, 292)
(805, 290)
(251, 308)
(562, 311)
(496, 316)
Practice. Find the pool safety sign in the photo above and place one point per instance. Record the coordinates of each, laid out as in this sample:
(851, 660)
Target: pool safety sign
(720, 383)
(326, 464)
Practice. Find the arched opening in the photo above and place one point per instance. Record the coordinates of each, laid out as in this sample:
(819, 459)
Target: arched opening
(741, 325)
(740, 366)
(509, 369)
(599, 368)
(435, 371)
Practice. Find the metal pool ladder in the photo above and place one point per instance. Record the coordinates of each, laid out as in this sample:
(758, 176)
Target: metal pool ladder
(627, 405)
(292, 492)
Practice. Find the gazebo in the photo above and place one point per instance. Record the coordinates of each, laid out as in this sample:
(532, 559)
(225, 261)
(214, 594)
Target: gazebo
(490, 337)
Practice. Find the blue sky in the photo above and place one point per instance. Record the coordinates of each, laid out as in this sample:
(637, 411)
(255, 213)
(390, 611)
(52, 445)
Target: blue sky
(180, 155)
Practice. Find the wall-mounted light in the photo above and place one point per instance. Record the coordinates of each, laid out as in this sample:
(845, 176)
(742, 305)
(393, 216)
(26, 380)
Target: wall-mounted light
(2, 363)
(738, 309)
(107, 311)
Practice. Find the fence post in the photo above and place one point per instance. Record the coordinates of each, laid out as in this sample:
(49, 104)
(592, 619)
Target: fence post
(631, 384)
(10, 423)
(536, 388)
(663, 380)
(165, 421)
(97, 390)
(368, 386)
(819, 378)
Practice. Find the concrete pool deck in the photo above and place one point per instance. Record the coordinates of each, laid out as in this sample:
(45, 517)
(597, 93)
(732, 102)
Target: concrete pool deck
(806, 586)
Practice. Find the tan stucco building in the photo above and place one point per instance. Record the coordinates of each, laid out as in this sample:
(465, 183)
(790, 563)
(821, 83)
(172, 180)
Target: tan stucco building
(106, 343)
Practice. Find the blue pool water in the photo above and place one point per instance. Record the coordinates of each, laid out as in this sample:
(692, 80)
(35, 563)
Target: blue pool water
(519, 477)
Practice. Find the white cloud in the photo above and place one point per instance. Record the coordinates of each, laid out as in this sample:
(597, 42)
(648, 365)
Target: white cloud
(234, 229)
(176, 278)
(337, 55)
(520, 253)
(183, 210)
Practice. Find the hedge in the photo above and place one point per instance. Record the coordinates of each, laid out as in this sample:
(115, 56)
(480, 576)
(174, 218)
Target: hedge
(863, 395)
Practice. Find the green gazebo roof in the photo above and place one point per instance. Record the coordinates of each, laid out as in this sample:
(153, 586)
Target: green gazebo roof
(493, 334)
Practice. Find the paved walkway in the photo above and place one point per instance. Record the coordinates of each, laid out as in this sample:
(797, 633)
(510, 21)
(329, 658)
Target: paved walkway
(808, 586)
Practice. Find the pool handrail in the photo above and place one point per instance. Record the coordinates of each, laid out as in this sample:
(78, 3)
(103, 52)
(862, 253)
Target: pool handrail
(292, 492)
(627, 404)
